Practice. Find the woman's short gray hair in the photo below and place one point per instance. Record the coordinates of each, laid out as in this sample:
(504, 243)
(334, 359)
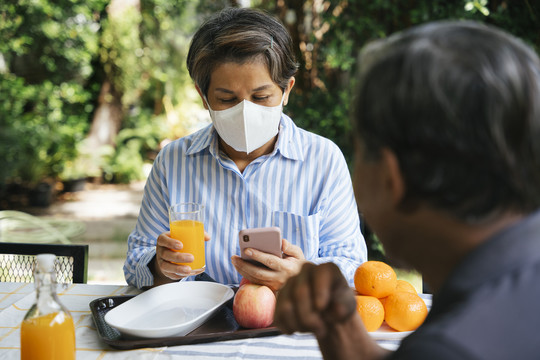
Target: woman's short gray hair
(241, 35)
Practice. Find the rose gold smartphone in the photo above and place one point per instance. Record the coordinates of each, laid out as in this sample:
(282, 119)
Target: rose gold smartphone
(266, 239)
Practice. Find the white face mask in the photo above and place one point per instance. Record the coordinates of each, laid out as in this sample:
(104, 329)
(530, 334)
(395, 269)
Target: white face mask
(247, 126)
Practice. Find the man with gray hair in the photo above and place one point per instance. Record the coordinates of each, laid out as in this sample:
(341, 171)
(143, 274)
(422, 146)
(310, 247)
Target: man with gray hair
(447, 122)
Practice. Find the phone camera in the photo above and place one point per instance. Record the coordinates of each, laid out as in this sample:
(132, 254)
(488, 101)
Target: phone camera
(246, 238)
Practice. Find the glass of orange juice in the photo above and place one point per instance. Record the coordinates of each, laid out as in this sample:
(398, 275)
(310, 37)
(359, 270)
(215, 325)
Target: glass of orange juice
(186, 221)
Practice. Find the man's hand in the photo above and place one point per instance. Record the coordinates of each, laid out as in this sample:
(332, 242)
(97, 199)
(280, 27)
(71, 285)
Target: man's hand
(317, 296)
(319, 300)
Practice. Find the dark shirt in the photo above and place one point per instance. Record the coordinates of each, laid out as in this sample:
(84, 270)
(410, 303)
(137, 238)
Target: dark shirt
(489, 307)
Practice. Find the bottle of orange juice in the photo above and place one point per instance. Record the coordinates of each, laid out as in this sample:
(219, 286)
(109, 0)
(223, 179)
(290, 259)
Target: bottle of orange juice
(47, 331)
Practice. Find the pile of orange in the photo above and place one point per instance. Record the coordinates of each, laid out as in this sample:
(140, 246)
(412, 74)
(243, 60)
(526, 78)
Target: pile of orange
(382, 297)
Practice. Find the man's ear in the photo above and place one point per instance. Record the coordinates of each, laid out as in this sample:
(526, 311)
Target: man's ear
(394, 181)
(202, 96)
(290, 85)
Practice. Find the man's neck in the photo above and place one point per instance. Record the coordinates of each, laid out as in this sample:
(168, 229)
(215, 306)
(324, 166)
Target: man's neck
(441, 242)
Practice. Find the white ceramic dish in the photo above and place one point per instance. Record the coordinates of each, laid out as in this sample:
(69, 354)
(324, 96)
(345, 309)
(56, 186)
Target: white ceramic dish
(169, 310)
(385, 332)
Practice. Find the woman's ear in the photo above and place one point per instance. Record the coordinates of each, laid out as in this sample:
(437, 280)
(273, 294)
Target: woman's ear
(290, 85)
(202, 96)
(394, 181)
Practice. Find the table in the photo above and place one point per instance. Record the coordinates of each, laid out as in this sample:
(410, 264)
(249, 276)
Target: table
(16, 299)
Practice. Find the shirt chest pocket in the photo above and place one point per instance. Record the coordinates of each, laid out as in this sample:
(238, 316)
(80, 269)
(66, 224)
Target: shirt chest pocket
(302, 231)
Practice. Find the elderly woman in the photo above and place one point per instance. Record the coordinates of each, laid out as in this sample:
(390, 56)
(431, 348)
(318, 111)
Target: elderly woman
(252, 167)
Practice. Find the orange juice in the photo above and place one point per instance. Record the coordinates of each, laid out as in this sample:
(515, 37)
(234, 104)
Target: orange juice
(50, 336)
(191, 234)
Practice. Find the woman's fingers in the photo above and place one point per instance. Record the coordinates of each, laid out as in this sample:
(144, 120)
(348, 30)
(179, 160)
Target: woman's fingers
(290, 250)
(169, 258)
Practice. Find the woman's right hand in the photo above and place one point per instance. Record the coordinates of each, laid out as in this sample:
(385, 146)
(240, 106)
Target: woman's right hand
(166, 264)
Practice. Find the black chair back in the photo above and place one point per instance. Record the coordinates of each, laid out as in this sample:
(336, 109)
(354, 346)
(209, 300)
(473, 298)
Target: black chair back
(17, 261)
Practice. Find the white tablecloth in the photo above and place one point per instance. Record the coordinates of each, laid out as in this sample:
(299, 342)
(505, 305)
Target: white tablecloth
(16, 299)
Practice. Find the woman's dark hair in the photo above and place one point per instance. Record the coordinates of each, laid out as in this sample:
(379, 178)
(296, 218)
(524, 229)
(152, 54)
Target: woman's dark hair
(241, 35)
(459, 105)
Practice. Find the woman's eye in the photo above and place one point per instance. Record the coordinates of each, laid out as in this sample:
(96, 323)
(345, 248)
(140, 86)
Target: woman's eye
(261, 98)
(227, 101)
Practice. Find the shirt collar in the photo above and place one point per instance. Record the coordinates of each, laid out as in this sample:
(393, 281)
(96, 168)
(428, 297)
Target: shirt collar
(203, 139)
(289, 144)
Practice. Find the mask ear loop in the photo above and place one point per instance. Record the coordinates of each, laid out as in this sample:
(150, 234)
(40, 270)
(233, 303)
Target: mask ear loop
(207, 103)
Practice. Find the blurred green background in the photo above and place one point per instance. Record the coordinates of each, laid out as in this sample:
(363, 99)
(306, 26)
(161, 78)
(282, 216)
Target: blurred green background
(92, 89)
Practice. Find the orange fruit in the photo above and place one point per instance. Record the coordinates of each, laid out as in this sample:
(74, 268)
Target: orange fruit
(371, 311)
(404, 311)
(403, 285)
(375, 278)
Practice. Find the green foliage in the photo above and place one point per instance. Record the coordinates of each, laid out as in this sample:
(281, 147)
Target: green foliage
(374, 247)
(339, 29)
(120, 45)
(166, 30)
(50, 40)
(325, 109)
(88, 162)
(143, 53)
(46, 103)
(127, 163)
(331, 120)
(135, 143)
(323, 94)
(38, 128)
(57, 55)
(518, 18)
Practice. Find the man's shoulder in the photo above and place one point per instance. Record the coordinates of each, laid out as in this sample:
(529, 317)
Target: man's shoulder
(492, 321)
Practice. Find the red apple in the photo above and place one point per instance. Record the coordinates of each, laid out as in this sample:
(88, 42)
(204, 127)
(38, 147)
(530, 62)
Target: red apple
(243, 282)
(254, 306)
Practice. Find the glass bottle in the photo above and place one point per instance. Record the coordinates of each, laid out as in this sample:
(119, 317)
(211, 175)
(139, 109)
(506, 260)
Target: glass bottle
(47, 331)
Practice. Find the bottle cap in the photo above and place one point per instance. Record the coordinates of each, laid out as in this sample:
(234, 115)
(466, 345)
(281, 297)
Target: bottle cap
(45, 262)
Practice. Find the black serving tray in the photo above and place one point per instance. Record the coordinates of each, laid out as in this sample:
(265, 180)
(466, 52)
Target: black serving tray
(220, 327)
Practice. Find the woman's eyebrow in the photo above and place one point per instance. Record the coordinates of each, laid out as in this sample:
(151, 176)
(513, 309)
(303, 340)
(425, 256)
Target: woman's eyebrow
(260, 88)
(264, 87)
(224, 90)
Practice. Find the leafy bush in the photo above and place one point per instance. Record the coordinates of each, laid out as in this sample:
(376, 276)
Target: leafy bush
(46, 87)
(143, 54)
(135, 145)
(330, 35)
(40, 128)
(337, 30)
(325, 113)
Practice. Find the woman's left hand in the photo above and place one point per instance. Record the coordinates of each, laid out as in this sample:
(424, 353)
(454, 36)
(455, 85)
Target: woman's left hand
(277, 270)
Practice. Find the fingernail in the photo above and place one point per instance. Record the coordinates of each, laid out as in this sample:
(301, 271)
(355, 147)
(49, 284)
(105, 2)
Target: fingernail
(249, 252)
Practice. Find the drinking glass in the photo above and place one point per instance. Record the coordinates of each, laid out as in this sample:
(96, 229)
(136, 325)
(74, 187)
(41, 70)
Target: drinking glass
(186, 222)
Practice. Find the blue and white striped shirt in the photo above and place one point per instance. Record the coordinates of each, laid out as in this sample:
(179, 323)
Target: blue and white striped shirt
(303, 187)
